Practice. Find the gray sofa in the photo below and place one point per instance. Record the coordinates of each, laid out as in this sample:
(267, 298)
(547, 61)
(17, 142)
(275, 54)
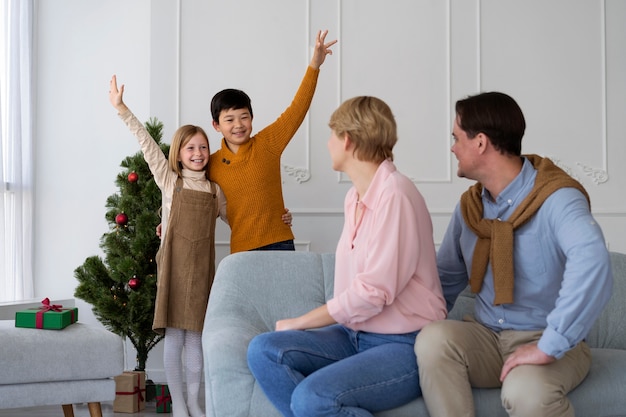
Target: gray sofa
(254, 289)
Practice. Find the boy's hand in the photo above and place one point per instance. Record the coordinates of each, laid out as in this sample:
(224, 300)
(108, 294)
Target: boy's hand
(116, 95)
(321, 49)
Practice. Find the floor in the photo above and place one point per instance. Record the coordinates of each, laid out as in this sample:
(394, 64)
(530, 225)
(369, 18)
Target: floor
(81, 410)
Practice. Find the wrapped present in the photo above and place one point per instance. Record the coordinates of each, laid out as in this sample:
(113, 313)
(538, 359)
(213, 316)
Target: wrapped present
(48, 316)
(130, 388)
(163, 399)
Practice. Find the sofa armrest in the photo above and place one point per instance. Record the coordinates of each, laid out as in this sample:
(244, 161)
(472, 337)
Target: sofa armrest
(251, 291)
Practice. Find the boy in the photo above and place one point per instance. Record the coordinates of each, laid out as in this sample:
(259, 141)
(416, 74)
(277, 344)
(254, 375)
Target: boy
(248, 167)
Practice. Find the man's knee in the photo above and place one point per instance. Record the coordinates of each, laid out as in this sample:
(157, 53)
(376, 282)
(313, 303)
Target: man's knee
(526, 394)
(431, 340)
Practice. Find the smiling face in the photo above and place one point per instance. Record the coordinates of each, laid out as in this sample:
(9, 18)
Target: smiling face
(194, 155)
(236, 127)
(463, 148)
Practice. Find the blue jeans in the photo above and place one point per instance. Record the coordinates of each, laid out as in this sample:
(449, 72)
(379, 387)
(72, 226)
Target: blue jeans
(284, 245)
(335, 371)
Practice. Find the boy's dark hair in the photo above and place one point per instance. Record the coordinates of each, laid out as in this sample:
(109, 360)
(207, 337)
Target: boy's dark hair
(227, 99)
(496, 115)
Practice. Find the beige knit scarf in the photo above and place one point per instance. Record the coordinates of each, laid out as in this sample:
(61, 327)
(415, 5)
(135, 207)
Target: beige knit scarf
(495, 237)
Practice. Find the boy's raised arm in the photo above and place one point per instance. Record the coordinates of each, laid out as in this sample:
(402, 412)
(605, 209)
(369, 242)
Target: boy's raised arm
(321, 49)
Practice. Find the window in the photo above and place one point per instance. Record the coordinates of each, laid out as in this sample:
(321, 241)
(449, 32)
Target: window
(16, 150)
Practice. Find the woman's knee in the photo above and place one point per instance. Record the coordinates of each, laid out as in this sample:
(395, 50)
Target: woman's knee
(258, 350)
(309, 399)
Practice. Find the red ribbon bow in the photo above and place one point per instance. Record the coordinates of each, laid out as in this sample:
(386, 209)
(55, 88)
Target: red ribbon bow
(46, 307)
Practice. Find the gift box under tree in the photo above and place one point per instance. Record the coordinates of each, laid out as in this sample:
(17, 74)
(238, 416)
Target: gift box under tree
(163, 399)
(130, 388)
(48, 316)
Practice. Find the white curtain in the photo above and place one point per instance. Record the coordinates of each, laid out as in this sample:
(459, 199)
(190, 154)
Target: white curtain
(16, 152)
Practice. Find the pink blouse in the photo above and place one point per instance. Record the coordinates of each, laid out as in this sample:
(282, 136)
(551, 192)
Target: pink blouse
(386, 278)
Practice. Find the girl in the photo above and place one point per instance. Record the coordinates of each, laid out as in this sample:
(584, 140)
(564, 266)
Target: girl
(186, 258)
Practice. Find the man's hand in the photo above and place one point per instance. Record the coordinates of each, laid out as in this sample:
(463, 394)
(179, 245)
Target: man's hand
(525, 355)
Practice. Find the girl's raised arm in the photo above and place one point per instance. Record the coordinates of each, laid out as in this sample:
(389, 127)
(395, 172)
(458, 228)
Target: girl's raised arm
(116, 95)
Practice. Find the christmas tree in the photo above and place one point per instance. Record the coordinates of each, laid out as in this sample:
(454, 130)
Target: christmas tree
(122, 288)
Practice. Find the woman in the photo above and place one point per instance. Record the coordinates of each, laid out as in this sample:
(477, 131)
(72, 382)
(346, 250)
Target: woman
(360, 358)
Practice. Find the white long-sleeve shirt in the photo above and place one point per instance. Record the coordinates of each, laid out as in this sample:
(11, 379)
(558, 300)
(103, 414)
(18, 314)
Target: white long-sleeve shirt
(164, 177)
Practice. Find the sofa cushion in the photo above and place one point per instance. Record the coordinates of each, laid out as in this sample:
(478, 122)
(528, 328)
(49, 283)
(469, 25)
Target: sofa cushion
(609, 331)
(78, 352)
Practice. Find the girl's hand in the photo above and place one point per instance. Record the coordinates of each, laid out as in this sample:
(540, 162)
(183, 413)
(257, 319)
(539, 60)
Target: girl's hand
(287, 218)
(116, 95)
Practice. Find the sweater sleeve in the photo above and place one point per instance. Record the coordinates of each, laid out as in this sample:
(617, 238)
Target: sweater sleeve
(277, 135)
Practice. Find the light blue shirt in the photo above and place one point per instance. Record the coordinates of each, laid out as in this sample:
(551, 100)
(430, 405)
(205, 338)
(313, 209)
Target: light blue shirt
(562, 269)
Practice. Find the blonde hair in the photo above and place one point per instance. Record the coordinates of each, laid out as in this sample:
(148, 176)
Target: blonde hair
(183, 135)
(370, 124)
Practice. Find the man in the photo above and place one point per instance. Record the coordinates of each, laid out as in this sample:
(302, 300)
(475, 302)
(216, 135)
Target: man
(525, 239)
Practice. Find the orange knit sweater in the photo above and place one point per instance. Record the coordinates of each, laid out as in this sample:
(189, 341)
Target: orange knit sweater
(251, 178)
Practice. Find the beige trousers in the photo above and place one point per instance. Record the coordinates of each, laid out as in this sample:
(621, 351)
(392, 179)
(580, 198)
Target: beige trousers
(454, 356)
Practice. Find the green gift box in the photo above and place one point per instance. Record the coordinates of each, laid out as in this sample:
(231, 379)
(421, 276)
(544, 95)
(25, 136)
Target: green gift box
(163, 399)
(48, 316)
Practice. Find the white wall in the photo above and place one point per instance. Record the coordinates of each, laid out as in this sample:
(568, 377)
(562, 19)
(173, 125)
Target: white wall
(564, 61)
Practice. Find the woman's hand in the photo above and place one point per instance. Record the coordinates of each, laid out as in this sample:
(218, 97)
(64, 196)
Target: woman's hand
(287, 324)
(314, 319)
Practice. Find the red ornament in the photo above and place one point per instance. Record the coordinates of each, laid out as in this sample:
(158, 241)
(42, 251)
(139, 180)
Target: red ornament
(121, 219)
(134, 282)
(133, 177)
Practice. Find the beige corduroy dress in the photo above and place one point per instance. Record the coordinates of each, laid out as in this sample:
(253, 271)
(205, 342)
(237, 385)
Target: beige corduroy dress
(186, 261)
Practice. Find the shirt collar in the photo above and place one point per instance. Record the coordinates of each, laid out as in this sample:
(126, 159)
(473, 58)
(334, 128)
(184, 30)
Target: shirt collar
(194, 175)
(385, 169)
(517, 188)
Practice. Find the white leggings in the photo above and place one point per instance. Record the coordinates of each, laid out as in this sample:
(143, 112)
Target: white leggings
(175, 341)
